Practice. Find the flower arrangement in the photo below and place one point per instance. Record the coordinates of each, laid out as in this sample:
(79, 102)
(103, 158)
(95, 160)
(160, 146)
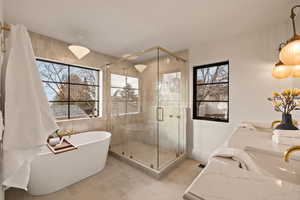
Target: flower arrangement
(286, 101)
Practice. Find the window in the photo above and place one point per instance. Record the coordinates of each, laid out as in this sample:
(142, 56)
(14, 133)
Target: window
(211, 92)
(72, 91)
(124, 94)
(169, 90)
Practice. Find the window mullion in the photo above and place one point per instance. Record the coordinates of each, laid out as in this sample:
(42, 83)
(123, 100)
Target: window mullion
(216, 83)
(69, 95)
(98, 95)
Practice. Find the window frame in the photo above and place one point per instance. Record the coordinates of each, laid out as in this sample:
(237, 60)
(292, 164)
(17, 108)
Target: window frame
(126, 101)
(69, 84)
(195, 84)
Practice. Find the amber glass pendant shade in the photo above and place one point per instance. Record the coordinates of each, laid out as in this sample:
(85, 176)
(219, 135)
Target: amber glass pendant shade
(296, 71)
(281, 71)
(290, 53)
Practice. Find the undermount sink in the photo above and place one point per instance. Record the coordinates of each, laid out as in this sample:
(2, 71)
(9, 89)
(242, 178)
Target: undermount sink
(272, 164)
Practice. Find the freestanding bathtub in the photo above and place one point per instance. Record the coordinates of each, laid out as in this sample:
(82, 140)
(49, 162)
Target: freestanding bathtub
(50, 172)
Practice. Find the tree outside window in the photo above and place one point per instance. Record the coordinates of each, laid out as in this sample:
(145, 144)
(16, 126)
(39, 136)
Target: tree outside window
(211, 92)
(72, 91)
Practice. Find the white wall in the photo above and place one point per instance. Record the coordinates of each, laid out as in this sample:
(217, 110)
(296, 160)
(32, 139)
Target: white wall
(1, 10)
(1, 18)
(251, 57)
(1, 55)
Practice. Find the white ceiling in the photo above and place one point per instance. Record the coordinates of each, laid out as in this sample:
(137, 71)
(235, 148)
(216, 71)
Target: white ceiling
(117, 27)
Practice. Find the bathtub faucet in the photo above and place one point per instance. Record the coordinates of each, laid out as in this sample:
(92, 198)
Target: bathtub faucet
(66, 132)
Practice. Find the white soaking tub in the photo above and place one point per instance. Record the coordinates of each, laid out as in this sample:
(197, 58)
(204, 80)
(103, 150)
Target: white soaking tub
(50, 172)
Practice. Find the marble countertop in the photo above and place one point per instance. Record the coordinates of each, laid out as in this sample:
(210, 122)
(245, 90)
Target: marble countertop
(260, 139)
(223, 180)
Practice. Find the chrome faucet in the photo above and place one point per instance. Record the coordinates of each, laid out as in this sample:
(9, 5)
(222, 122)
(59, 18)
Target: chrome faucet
(288, 152)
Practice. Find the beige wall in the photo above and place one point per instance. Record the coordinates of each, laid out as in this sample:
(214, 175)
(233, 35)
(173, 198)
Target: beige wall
(49, 48)
(1, 18)
(46, 47)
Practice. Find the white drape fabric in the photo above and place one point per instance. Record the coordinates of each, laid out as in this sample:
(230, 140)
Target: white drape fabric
(28, 118)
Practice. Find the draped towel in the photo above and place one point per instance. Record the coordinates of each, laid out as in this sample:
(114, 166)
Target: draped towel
(28, 118)
(241, 157)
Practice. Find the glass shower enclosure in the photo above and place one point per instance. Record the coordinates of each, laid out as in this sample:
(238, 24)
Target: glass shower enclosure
(146, 108)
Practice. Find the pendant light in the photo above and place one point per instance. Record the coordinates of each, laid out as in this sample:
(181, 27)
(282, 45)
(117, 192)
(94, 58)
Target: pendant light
(281, 71)
(79, 51)
(290, 53)
(296, 71)
(140, 67)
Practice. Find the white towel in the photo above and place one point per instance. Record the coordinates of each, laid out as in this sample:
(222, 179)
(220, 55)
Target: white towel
(28, 118)
(278, 139)
(238, 155)
(16, 167)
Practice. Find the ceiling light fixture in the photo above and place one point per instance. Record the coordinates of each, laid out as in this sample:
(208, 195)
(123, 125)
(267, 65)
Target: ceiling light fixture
(290, 53)
(79, 51)
(281, 71)
(168, 60)
(129, 57)
(296, 71)
(140, 67)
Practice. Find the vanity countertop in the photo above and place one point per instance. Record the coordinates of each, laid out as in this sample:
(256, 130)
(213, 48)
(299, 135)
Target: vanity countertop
(220, 181)
(260, 139)
(223, 180)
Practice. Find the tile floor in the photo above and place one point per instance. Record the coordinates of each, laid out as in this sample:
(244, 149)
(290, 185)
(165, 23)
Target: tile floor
(119, 181)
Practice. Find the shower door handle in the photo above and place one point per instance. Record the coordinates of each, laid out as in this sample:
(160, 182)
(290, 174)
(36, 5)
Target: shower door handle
(160, 114)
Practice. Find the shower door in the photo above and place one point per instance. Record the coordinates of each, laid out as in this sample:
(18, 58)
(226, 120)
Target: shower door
(133, 110)
(169, 114)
